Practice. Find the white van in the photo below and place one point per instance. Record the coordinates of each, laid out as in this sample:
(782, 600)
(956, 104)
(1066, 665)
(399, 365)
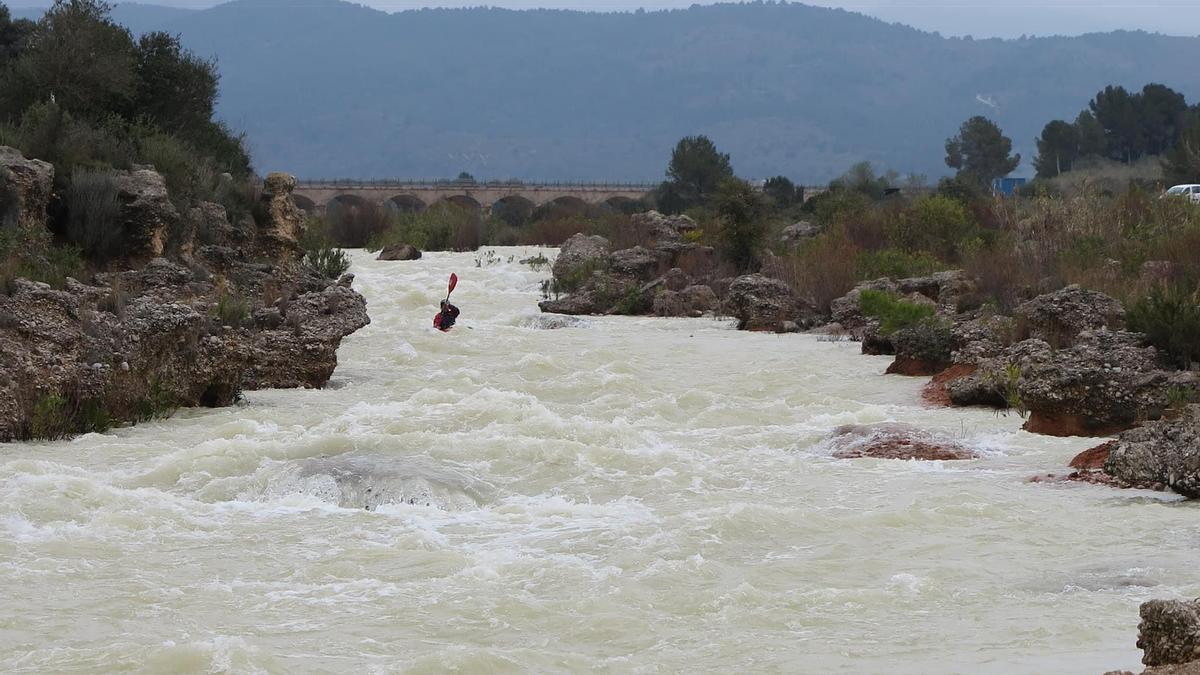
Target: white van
(1191, 191)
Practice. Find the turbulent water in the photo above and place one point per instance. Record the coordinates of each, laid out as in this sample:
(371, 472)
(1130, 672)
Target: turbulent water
(618, 495)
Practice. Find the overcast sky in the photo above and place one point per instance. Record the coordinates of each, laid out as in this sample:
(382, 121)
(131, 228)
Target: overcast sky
(980, 18)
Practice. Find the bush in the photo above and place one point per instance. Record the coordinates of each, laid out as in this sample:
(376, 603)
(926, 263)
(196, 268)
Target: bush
(441, 227)
(821, 269)
(1171, 322)
(94, 215)
(897, 264)
(354, 226)
(892, 312)
(329, 262)
(935, 224)
(231, 310)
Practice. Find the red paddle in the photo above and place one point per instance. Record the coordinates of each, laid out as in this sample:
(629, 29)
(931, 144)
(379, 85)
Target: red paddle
(453, 283)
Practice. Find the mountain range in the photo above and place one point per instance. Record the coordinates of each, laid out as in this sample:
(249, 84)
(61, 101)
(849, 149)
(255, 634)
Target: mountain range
(331, 89)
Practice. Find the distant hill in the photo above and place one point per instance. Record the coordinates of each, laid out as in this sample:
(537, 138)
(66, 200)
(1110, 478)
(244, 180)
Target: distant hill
(327, 88)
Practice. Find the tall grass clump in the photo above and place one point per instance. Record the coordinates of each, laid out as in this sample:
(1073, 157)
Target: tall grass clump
(94, 215)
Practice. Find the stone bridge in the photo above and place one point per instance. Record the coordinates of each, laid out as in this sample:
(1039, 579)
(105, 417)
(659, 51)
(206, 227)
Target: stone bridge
(316, 196)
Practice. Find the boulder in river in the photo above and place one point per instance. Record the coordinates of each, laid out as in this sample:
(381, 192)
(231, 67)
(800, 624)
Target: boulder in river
(761, 303)
(895, 441)
(399, 252)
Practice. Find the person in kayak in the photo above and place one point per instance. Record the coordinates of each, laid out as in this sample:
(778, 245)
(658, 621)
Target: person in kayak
(445, 319)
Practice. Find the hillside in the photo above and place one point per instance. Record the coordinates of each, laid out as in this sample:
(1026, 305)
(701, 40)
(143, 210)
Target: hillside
(334, 89)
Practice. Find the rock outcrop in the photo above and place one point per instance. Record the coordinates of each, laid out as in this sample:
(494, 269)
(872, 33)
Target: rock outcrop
(649, 278)
(1169, 632)
(136, 342)
(579, 256)
(279, 234)
(761, 303)
(1058, 318)
(1164, 451)
(25, 187)
(147, 214)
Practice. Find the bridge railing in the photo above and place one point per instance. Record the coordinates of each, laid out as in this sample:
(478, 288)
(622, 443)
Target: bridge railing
(400, 184)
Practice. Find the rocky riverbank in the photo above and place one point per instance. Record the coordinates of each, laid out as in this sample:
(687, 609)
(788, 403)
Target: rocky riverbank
(1169, 637)
(1063, 360)
(198, 308)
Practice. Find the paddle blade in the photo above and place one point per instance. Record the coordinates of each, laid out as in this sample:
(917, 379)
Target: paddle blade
(453, 283)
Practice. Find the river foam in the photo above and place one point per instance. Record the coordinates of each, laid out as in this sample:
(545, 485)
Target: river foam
(530, 493)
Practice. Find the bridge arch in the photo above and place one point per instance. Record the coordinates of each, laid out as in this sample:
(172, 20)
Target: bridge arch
(461, 201)
(515, 210)
(626, 205)
(304, 204)
(405, 203)
(561, 207)
(344, 202)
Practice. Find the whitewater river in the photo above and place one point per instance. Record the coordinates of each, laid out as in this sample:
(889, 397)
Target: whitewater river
(630, 495)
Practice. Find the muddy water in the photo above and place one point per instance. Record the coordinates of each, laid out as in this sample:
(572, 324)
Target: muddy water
(618, 495)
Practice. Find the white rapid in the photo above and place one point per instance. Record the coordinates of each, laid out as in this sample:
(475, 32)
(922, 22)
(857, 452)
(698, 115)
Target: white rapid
(626, 495)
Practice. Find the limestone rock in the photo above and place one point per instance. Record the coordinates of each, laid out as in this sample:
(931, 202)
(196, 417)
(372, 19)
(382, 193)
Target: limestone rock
(579, 256)
(656, 229)
(763, 303)
(1059, 317)
(894, 441)
(1164, 451)
(1102, 384)
(278, 237)
(25, 189)
(692, 301)
(1169, 633)
(637, 263)
(797, 232)
(147, 214)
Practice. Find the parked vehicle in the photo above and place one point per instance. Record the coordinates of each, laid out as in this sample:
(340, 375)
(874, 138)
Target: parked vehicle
(1191, 191)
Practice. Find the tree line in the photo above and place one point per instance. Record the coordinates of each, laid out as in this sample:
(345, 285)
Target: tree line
(1126, 126)
(81, 92)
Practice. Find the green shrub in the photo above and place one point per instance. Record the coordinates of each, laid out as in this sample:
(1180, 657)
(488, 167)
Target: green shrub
(231, 310)
(329, 262)
(50, 420)
(158, 403)
(633, 303)
(892, 312)
(1171, 322)
(936, 224)
(897, 264)
(442, 227)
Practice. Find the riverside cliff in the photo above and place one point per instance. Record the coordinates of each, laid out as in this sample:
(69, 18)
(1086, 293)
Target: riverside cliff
(197, 308)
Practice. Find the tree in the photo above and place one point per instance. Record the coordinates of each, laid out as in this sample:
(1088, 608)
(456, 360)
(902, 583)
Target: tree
(980, 151)
(1161, 113)
(741, 210)
(861, 178)
(783, 192)
(176, 90)
(1058, 148)
(1182, 163)
(1117, 112)
(77, 56)
(696, 169)
(12, 34)
(1091, 135)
